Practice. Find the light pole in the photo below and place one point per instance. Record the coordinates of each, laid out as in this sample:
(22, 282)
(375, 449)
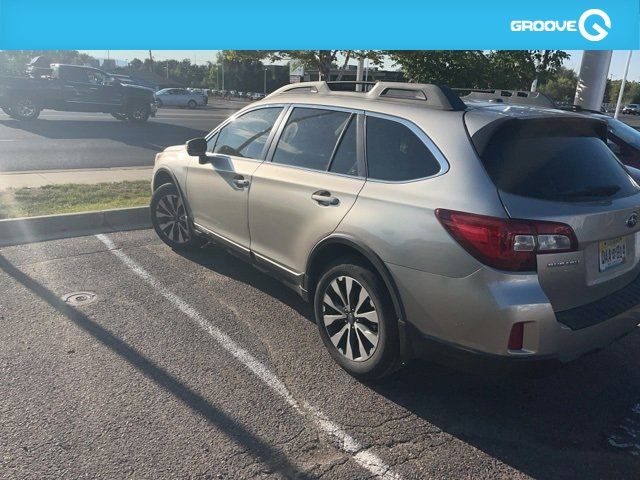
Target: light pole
(622, 85)
(264, 86)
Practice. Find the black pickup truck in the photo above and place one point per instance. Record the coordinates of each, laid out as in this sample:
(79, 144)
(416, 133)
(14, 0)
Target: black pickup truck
(74, 88)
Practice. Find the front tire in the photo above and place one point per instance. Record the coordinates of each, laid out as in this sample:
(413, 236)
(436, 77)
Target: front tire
(356, 319)
(25, 109)
(192, 104)
(169, 219)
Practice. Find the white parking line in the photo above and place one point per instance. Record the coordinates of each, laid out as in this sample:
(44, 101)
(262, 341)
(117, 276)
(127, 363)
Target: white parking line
(364, 457)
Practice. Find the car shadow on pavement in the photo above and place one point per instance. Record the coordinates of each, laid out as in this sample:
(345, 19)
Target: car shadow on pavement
(150, 135)
(554, 427)
(236, 432)
(548, 428)
(222, 262)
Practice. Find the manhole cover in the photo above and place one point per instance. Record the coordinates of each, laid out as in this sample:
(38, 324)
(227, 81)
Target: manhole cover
(79, 298)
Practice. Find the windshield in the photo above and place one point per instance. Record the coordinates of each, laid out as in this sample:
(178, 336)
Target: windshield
(624, 132)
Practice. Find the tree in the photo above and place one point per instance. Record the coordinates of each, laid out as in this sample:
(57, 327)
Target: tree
(562, 87)
(517, 69)
(510, 69)
(454, 68)
(14, 61)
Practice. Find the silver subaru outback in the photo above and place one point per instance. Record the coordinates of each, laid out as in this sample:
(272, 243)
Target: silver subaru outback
(417, 224)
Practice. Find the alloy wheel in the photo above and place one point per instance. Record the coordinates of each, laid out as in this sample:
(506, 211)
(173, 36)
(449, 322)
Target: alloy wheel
(25, 108)
(138, 113)
(172, 218)
(350, 318)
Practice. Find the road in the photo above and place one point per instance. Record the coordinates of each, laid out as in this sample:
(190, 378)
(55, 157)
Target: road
(63, 140)
(198, 366)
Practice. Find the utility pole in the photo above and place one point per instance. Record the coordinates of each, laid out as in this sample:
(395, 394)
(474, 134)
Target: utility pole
(359, 74)
(150, 62)
(222, 74)
(264, 87)
(622, 85)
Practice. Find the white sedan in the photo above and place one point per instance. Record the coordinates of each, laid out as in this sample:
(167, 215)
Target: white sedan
(179, 97)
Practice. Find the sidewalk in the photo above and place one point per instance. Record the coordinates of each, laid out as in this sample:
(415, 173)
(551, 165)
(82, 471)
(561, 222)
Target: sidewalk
(91, 176)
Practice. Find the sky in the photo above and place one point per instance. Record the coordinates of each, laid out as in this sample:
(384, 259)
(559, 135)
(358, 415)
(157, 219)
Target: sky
(202, 56)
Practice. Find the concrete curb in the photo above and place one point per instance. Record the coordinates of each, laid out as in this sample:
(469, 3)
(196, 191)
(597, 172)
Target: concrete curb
(14, 231)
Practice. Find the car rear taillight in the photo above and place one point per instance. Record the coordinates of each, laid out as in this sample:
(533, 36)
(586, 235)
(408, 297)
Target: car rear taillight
(504, 243)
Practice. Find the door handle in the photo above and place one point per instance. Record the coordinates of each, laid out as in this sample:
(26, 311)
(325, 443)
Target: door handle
(323, 197)
(240, 182)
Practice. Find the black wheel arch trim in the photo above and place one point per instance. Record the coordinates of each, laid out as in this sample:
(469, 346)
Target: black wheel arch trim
(180, 191)
(369, 254)
(382, 270)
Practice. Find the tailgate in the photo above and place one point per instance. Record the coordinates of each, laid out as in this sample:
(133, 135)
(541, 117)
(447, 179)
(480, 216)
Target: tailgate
(561, 170)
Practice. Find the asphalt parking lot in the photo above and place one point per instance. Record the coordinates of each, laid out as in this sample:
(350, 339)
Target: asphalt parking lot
(63, 140)
(199, 366)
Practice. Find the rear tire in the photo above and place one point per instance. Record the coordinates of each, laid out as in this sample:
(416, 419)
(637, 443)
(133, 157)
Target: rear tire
(192, 104)
(159, 103)
(361, 336)
(139, 113)
(25, 109)
(170, 221)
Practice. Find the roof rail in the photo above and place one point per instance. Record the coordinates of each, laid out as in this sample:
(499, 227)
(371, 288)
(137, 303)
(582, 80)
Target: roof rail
(511, 97)
(433, 96)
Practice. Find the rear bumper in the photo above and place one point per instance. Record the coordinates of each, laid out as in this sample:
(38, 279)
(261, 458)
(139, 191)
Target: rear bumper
(475, 314)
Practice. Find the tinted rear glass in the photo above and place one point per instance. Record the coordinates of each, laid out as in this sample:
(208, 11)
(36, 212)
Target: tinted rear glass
(556, 162)
(395, 153)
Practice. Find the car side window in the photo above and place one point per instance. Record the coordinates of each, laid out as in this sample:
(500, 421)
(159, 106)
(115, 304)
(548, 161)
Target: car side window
(78, 75)
(309, 138)
(395, 153)
(345, 158)
(247, 135)
(95, 77)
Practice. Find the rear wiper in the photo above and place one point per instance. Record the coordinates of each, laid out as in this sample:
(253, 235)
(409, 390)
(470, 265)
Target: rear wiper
(602, 191)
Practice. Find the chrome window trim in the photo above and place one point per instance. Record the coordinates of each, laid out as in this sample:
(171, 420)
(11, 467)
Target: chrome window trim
(285, 119)
(424, 138)
(276, 126)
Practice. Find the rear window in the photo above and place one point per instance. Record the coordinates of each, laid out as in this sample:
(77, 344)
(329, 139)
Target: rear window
(564, 162)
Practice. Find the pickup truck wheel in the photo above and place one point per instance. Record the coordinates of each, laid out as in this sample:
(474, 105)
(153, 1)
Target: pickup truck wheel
(139, 113)
(192, 104)
(25, 109)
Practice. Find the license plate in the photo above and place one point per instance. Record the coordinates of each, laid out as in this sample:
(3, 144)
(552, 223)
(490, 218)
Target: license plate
(612, 253)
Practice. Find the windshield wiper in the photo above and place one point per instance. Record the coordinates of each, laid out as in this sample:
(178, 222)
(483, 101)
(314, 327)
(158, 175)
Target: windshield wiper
(589, 192)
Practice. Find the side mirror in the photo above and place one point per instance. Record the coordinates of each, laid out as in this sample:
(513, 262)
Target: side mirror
(197, 147)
